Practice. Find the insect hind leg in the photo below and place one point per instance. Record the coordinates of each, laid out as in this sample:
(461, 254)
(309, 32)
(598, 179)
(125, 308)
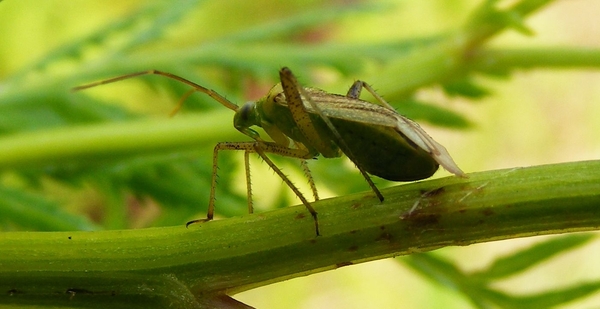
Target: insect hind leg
(356, 89)
(262, 148)
(294, 93)
(311, 181)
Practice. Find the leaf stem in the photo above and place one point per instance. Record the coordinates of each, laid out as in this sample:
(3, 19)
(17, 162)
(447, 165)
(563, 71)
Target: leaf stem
(233, 255)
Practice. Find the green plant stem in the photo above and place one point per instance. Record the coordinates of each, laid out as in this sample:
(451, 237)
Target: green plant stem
(487, 21)
(450, 58)
(203, 263)
(494, 60)
(108, 141)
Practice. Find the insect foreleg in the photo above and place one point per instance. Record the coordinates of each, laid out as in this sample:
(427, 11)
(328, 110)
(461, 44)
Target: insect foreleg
(248, 181)
(261, 148)
(213, 184)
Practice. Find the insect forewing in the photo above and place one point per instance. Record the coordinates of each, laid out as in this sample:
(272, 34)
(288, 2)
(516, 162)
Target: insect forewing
(413, 131)
(364, 112)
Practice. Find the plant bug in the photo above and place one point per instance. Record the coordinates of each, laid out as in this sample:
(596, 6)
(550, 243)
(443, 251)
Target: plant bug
(305, 122)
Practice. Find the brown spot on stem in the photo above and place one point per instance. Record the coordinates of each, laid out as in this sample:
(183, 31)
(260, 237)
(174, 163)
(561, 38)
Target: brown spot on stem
(385, 236)
(78, 291)
(422, 219)
(488, 211)
(342, 264)
(433, 192)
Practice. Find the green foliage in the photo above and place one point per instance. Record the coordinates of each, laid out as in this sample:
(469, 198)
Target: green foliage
(130, 44)
(479, 287)
(123, 147)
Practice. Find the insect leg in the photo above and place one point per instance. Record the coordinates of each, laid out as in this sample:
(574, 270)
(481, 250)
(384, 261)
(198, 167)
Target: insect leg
(213, 183)
(412, 131)
(213, 94)
(356, 88)
(299, 114)
(248, 181)
(261, 148)
(311, 181)
(293, 95)
(307, 173)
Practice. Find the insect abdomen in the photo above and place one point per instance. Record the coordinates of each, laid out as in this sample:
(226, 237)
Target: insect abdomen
(383, 152)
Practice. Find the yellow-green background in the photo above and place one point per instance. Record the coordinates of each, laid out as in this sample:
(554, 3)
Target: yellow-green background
(535, 117)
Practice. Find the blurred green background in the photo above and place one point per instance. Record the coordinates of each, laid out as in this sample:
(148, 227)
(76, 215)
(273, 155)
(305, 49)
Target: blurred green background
(531, 117)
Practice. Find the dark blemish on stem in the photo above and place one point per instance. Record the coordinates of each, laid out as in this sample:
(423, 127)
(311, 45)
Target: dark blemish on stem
(420, 219)
(342, 264)
(353, 248)
(427, 219)
(488, 211)
(433, 192)
(78, 291)
(385, 236)
(300, 216)
(74, 291)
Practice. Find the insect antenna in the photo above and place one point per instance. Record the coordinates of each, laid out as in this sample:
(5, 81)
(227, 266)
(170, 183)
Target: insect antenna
(195, 88)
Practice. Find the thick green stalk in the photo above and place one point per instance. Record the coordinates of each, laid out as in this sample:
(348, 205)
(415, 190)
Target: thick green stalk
(197, 267)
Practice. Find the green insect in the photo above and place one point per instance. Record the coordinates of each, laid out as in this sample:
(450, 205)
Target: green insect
(305, 122)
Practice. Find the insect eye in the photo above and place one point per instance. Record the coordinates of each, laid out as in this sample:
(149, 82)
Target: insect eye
(245, 111)
(245, 117)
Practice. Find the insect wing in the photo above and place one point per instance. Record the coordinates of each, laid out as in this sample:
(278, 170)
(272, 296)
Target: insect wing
(413, 132)
(341, 107)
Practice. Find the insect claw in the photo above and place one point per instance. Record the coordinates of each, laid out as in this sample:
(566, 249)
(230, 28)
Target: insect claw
(314, 215)
(197, 221)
